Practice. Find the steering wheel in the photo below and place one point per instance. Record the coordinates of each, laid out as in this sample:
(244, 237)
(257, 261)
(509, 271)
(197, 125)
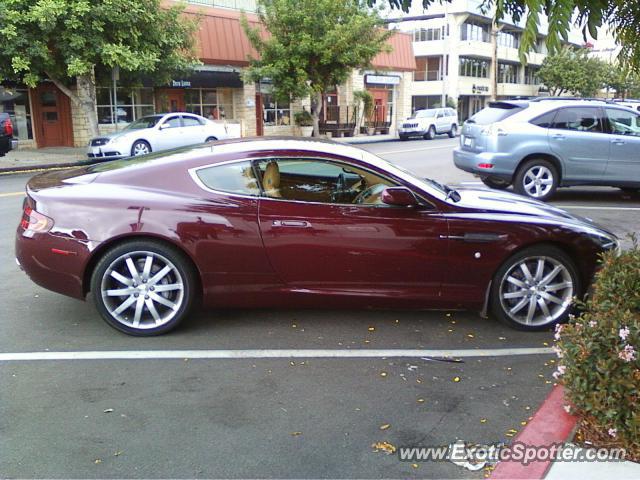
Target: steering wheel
(370, 195)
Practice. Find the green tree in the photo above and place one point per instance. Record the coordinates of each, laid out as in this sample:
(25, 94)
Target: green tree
(67, 41)
(313, 45)
(625, 82)
(623, 16)
(572, 71)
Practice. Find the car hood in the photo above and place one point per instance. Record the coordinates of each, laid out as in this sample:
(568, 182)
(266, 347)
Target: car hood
(494, 201)
(121, 135)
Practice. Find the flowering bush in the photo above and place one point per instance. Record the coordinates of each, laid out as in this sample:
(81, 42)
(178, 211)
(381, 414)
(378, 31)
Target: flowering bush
(599, 358)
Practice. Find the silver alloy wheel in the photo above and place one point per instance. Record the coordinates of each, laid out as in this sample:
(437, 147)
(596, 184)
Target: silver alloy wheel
(142, 289)
(536, 291)
(537, 181)
(140, 148)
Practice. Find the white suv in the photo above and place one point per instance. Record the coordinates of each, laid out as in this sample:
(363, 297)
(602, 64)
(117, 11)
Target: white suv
(428, 123)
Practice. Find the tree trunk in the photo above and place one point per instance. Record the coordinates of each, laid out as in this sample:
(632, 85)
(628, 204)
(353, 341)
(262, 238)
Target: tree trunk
(85, 98)
(494, 61)
(316, 107)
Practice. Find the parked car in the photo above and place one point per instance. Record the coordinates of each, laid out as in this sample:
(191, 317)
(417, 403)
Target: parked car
(155, 133)
(630, 103)
(428, 123)
(294, 223)
(540, 145)
(7, 142)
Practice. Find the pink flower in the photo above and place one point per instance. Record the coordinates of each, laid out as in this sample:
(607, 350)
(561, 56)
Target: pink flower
(613, 432)
(628, 354)
(557, 351)
(559, 372)
(593, 324)
(624, 333)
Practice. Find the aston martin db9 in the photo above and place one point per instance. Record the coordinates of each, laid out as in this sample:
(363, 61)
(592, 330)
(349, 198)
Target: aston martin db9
(296, 223)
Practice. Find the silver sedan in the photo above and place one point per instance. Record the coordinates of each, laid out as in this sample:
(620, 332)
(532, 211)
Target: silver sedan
(159, 132)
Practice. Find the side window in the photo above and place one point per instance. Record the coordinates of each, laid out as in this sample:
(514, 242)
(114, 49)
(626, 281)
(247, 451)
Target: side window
(190, 122)
(545, 120)
(580, 119)
(622, 122)
(440, 114)
(320, 181)
(172, 122)
(230, 177)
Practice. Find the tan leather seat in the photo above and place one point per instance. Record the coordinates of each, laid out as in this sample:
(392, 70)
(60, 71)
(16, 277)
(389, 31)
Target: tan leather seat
(271, 180)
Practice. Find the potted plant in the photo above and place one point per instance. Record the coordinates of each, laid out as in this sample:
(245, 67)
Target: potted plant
(304, 121)
(366, 99)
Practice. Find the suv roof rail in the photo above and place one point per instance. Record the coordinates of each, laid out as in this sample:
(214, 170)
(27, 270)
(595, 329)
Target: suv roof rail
(583, 99)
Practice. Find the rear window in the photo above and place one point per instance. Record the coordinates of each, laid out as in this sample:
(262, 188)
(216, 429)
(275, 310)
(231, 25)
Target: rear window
(495, 112)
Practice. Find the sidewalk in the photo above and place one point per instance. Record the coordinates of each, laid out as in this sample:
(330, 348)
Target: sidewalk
(552, 425)
(28, 159)
(366, 139)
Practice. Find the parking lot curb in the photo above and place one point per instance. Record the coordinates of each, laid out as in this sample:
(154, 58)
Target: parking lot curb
(550, 424)
(44, 167)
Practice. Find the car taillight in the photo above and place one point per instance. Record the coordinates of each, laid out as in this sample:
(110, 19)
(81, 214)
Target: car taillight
(33, 221)
(8, 127)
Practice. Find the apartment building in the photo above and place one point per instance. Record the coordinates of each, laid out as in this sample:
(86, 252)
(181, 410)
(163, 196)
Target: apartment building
(453, 57)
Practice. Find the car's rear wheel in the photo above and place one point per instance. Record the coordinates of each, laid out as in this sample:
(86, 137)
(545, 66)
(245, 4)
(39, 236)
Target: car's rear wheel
(210, 139)
(454, 131)
(534, 289)
(143, 288)
(403, 137)
(537, 179)
(140, 147)
(496, 183)
(431, 133)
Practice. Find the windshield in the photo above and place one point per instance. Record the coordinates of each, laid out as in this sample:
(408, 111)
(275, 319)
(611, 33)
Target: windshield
(144, 122)
(423, 114)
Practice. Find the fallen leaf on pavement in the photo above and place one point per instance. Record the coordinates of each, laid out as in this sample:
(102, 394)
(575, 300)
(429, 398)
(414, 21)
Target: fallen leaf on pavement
(384, 447)
(383, 374)
(385, 426)
(296, 434)
(371, 329)
(108, 410)
(456, 379)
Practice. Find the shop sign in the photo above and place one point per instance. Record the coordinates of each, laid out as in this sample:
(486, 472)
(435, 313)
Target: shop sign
(479, 89)
(181, 83)
(382, 79)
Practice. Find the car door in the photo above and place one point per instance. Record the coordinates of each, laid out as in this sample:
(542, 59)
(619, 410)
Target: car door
(441, 121)
(319, 241)
(578, 138)
(193, 130)
(169, 133)
(624, 154)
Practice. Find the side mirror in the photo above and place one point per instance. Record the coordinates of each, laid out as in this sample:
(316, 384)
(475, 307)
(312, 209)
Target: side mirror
(399, 197)
(164, 125)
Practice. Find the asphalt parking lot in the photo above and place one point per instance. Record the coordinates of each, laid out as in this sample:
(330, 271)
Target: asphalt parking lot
(244, 412)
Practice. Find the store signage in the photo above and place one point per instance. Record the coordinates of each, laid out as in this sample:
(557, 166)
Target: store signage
(181, 83)
(479, 89)
(382, 79)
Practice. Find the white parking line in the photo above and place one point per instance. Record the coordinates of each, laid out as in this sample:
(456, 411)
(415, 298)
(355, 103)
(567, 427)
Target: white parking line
(266, 354)
(586, 207)
(414, 149)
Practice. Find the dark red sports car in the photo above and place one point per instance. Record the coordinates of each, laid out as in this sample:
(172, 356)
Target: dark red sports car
(292, 223)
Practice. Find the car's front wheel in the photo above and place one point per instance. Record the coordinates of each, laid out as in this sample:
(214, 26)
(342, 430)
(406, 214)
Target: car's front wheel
(537, 179)
(454, 131)
(210, 139)
(534, 289)
(140, 147)
(431, 133)
(143, 288)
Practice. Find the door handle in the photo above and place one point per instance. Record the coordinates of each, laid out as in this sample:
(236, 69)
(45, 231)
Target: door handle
(476, 237)
(291, 223)
(557, 136)
(617, 141)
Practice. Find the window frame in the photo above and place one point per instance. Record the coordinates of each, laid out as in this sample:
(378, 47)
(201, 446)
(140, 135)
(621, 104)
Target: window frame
(424, 202)
(601, 119)
(607, 122)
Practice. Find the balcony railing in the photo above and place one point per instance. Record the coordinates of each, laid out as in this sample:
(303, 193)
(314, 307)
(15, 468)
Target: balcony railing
(246, 5)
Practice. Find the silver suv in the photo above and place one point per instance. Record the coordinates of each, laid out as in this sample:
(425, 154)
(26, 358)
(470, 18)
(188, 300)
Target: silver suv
(540, 145)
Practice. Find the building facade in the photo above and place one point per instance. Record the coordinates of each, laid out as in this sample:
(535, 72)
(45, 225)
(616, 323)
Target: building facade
(454, 57)
(45, 117)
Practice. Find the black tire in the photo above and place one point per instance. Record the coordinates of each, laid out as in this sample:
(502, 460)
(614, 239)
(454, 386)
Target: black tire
(138, 146)
(403, 138)
(531, 167)
(183, 273)
(454, 131)
(495, 183)
(210, 139)
(431, 133)
(499, 305)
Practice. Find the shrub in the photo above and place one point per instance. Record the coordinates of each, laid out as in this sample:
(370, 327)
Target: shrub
(600, 355)
(303, 119)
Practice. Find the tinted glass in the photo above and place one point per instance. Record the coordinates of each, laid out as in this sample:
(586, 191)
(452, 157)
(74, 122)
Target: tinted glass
(308, 180)
(622, 122)
(580, 119)
(544, 121)
(494, 114)
(172, 122)
(145, 122)
(231, 177)
(190, 122)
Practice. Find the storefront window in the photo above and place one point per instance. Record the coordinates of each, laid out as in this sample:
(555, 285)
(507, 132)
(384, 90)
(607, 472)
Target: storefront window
(507, 73)
(474, 67)
(214, 104)
(133, 103)
(15, 102)
(275, 112)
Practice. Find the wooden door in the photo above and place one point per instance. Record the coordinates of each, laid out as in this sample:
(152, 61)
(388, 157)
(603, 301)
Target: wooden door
(259, 116)
(52, 117)
(170, 100)
(380, 96)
